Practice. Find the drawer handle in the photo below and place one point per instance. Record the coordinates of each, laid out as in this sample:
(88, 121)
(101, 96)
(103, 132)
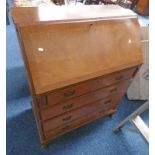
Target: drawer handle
(108, 101)
(113, 90)
(68, 106)
(69, 94)
(120, 77)
(65, 128)
(67, 118)
(102, 111)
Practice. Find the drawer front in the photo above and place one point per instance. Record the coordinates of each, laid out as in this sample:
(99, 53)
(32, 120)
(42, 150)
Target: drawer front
(114, 78)
(85, 87)
(66, 118)
(109, 107)
(70, 126)
(77, 102)
(68, 93)
(106, 103)
(109, 103)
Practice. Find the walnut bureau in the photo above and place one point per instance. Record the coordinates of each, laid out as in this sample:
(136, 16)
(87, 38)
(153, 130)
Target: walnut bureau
(78, 65)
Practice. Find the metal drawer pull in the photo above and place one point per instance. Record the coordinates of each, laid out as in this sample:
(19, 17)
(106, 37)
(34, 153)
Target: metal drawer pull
(113, 90)
(68, 106)
(65, 128)
(102, 111)
(69, 94)
(120, 77)
(67, 118)
(108, 101)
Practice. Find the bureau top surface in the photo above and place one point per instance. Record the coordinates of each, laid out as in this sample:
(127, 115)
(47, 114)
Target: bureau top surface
(31, 15)
(61, 54)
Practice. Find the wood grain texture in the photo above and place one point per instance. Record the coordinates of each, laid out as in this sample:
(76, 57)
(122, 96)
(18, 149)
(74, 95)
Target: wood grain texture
(76, 124)
(97, 106)
(87, 86)
(76, 102)
(75, 52)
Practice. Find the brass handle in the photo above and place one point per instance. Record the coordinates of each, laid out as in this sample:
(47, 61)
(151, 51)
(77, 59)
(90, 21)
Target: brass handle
(102, 111)
(68, 106)
(108, 101)
(113, 90)
(65, 128)
(69, 94)
(120, 77)
(67, 118)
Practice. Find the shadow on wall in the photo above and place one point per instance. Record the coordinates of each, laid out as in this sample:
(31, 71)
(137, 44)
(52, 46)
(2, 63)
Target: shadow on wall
(16, 83)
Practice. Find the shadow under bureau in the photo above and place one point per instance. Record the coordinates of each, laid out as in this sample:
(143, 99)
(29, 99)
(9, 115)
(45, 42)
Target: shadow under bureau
(78, 65)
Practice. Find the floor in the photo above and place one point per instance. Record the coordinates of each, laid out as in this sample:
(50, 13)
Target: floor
(96, 138)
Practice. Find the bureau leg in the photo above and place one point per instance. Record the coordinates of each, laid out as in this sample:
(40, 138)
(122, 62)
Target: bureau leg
(44, 145)
(110, 116)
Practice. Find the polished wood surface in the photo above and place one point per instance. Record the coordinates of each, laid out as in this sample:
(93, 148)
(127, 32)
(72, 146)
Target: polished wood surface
(73, 60)
(76, 124)
(78, 65)
(85, 87)
(82, 100)
(98, 106)
(142, 7)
